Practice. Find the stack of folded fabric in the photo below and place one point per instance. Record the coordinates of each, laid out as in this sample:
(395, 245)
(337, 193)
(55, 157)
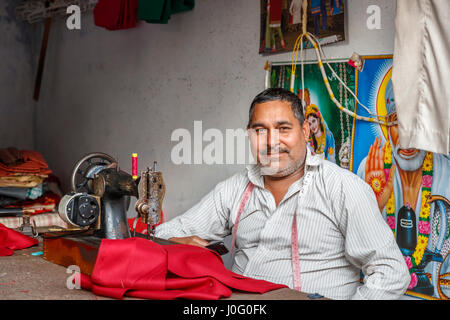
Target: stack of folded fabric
(27, 183)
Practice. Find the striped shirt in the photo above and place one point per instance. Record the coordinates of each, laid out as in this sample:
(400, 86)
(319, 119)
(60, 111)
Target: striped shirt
(340, 232)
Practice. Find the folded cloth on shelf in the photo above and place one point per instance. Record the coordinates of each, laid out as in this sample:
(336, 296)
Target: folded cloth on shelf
(11, 240)
(7, 201)
(33, 163)
(24, 193)
(46, 203)
(24, 181)
(159, 11)
(141, 268)
(116, 14)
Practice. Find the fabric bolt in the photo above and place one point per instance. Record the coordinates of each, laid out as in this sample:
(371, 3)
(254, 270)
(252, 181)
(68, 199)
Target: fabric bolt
(141, 268)
(116, 14)
(11, 240)
(420, 74)
(160, 11)
(340, 232)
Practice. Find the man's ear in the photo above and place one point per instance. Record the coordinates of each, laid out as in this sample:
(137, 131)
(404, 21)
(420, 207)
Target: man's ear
(306, 130)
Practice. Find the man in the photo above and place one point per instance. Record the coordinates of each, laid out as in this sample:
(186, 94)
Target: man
(339, 227)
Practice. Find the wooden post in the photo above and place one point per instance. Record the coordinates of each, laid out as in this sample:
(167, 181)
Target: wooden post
(37, 84)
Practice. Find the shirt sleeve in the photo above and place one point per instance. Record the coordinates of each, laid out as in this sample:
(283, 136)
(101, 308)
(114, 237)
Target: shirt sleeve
(208, 219)
(370, 244)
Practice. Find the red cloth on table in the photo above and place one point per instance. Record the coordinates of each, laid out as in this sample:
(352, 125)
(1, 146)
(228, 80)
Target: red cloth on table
(116, 14)
(11, 240)
(33, 164)
(141, 268)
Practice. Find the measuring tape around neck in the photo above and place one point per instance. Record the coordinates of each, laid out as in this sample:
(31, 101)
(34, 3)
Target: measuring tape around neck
(294, 238)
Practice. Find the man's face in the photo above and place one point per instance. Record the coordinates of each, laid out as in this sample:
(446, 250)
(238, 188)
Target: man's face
(407, 159)
(278, 141)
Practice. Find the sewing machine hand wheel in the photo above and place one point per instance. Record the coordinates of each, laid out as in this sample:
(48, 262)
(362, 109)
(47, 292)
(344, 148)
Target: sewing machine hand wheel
(85, 169)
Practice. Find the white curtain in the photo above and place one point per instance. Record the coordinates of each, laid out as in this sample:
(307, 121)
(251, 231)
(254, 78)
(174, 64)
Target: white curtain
(421, 74)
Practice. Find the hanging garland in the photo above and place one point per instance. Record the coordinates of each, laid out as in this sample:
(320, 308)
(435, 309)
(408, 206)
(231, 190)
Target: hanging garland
(298, 45)
(424, 219)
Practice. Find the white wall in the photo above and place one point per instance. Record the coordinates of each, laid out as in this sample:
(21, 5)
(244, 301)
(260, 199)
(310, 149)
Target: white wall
(17, 45)
(126, 91)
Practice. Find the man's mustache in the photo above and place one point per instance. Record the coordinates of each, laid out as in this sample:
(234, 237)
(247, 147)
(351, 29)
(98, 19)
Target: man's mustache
(271, 150)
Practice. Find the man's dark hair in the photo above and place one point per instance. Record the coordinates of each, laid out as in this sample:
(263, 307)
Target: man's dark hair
(278, 94)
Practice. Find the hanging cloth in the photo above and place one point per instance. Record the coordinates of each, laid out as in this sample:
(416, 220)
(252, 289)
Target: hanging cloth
(159, 11)
(116, 14)
(141, 268)
(420, 74)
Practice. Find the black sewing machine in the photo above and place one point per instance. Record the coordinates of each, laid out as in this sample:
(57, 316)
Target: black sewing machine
(100, 197)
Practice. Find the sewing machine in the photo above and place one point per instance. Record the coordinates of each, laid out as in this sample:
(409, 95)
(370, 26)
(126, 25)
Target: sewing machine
(100, 197)
(96, 209)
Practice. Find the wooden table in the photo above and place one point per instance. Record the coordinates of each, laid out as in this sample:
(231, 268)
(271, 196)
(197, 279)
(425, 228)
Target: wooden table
(27, 277)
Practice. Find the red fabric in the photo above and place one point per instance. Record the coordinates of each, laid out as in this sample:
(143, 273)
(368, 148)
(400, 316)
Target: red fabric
(116, 14)
(33, 164)
(140, 268)
(11, 240)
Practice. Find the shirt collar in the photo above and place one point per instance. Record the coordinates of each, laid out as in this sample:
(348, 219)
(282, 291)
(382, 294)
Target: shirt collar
(254, 170)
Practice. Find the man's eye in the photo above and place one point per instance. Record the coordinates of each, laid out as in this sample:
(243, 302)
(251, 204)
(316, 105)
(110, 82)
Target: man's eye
(284, 128)
(261, 131)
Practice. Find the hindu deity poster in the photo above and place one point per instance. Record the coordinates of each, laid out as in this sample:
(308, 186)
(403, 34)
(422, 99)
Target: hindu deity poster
(330, 128)
(281, 23)
(411, 186)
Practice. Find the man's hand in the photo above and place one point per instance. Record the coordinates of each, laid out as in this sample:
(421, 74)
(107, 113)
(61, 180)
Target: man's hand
(193, 240)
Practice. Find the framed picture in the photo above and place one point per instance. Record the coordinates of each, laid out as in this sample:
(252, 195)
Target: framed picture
(331, 128)
(411, 186)
(281, 23)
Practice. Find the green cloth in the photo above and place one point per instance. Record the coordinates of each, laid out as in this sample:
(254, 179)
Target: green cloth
(159, 11)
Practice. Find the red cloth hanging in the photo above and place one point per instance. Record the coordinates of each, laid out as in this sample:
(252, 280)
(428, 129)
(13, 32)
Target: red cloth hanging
(11, 240)
(116, 14)
(140, 268)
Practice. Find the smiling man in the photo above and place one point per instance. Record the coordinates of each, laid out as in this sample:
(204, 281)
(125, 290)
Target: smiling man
(297, 219)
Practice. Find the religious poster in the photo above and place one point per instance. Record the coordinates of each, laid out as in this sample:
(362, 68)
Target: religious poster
(281, 23)
(411, 186)
(330, 128)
